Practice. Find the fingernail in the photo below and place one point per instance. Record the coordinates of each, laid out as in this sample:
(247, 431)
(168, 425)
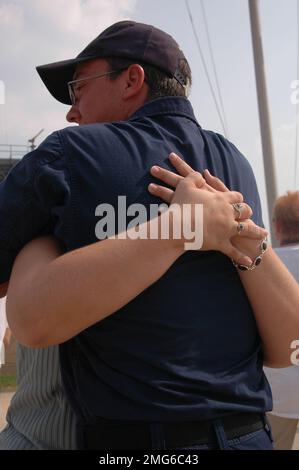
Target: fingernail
(173, 156)
(207, 171)
(152, 186)
(155, 169)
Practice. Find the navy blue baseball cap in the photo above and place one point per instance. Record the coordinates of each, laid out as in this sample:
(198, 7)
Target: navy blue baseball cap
(125, 39)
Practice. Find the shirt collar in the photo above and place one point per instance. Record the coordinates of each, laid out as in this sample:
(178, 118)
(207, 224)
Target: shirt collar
(175, 105)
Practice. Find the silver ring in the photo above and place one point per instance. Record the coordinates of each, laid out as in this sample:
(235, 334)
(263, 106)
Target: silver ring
(238, 208)
(240, 227)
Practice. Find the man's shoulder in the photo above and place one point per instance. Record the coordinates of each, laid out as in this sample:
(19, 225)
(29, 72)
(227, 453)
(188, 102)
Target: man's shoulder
(49, 150)
(292, 249)
(106, 141)
(236, 161)
(289, 254)
(234, 169)
(97, 128)
(222, 142)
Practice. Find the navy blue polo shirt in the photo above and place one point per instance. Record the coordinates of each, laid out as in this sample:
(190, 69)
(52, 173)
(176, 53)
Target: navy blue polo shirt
(187, 348)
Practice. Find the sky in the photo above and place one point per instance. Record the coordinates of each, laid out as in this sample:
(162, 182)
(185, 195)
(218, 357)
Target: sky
(34, 32)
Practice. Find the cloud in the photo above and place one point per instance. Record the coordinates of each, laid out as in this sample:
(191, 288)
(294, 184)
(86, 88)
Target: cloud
(34, 32)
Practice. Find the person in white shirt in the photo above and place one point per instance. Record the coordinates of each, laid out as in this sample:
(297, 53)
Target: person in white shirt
(285, 382)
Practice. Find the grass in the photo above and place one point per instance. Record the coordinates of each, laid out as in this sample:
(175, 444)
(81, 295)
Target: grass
(8, 383)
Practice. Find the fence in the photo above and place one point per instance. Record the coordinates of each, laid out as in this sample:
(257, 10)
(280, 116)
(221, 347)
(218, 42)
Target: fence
(11, 151)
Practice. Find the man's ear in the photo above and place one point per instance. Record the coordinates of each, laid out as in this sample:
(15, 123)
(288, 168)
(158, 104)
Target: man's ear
(134, 81)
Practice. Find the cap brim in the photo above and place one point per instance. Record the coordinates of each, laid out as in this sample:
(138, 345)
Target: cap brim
(56, 76)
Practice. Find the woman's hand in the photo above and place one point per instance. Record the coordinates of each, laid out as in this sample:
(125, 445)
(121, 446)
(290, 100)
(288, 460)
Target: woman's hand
(226, 228)
(245, 244)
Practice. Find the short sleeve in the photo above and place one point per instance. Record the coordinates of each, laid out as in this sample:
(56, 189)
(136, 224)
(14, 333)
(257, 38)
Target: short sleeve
(251, 195)
(243, 180)
(32, 197)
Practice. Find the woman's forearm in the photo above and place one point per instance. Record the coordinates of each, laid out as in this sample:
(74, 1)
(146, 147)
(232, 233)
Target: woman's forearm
(60, 296)
(274, 296)
(271, 289)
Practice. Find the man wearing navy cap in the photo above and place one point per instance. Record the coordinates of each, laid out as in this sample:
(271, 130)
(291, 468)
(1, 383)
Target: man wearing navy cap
(180, 365)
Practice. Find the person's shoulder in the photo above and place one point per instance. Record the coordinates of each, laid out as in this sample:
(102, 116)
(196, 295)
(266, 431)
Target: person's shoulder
(289, 255)
(293, 249)
(94, 137)
(223, 142)
(49, 150)
(227, 149)
(93, 129)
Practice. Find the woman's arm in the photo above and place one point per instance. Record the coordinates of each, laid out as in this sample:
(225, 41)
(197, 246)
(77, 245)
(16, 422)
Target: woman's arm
(274, 296)
(271, 289)
(52, 298)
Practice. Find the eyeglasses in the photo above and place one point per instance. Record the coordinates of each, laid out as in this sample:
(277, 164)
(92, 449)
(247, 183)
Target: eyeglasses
(72, 86)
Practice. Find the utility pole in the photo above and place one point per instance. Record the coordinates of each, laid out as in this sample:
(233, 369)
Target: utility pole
(264, 116)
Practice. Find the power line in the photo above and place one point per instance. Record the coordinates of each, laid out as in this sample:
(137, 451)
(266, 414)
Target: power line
(213, 64)
(204, 65)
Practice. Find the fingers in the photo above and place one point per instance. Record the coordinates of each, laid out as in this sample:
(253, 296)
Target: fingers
(172, 179)
(250, 230)
(233, 197)
(160, 191)
(236, 255)
(180, 165)
(196, 179)
(168, 177)
(207, 187)
(242, 211)
(184, 169)
(213, 181)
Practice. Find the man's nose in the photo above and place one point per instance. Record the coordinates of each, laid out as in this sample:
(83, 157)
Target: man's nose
(73, 115)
